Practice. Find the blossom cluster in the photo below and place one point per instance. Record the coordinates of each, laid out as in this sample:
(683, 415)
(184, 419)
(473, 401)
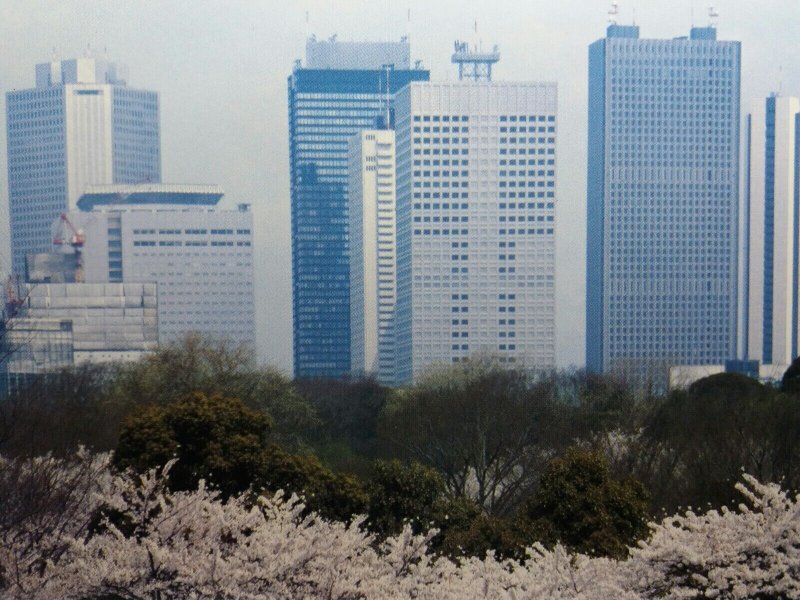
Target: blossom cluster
(74, 529)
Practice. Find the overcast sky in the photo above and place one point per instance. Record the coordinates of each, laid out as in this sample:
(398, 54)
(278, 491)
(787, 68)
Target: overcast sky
(220, 69)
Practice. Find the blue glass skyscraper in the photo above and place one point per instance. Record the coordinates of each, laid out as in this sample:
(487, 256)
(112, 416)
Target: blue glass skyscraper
(342, 90)
(663, 195)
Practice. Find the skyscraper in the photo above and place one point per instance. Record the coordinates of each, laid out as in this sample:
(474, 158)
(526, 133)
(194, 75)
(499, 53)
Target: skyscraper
(373, 270)
(342, 90)
(662, 196)
(80, 125)
(475, 224)
(772, 187)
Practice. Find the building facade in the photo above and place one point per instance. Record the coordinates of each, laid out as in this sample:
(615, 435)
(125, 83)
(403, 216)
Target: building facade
(772, 218)
(61, 325)
(476, 209)
(343, 89)
(372, 205)
(81, 124)
(176, 236)
(662, 197)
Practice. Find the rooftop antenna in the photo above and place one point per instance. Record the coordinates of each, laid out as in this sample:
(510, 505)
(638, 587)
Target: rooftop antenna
(473, 64)
(634, 15)
(307, 26)
(54, 54)
(613, 12)
(712, 17)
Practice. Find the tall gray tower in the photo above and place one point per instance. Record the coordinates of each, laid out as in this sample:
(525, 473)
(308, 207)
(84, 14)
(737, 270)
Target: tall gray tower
(80, 125)
(663, 195)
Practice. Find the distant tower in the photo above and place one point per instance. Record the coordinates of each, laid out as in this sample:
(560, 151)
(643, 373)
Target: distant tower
(662, 198)
(80, 125)
(474, 65)
(341, 90)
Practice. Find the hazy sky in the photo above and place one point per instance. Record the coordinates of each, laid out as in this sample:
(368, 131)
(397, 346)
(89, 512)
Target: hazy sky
(221, 67)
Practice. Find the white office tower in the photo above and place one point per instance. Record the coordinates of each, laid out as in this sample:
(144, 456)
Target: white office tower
(80, 125)
(199, 255)
(475, 224)
(771, 236)
(372, 200)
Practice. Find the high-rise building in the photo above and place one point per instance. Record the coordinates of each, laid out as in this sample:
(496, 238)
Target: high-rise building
(476, 206)
(199, 255)
(343, 89)
(372, 200)
(772, 220)
(81, 124)
(662, 196)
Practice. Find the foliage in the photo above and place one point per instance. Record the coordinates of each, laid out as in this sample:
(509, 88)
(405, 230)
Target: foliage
(696, 442)
(212, 366)
(333, 495)
(413, 494)
(190, 544)
(60, 411)
(579, 505)
(790, 382)
(488, 430)
(348, 410)
(215, 438)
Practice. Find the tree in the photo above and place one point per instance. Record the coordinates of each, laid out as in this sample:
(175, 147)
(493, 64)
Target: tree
(214, 438)
(579, 505)
(62, 410)
(401, 494)
(790, 383)
(348, 410)
(197, 363)
(487, 429)
(191, 544)
(697, 442)
(335, 496)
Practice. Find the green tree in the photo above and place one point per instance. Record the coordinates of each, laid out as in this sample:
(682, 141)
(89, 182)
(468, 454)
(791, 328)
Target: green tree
(214, 438)
(698, 441)
(335, 496)
(211, 366)
(413, 493)
(790, 383)
(348, 410)
(580, 505)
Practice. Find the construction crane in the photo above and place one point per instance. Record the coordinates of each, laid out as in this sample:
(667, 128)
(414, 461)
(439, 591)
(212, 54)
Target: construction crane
(14, 300)
(67, 235)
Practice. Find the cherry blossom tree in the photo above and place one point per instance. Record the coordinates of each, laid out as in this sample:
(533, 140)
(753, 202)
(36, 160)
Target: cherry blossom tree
(73, 529)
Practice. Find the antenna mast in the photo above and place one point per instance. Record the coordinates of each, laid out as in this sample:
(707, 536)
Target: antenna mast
(613, 12)
(712, 17)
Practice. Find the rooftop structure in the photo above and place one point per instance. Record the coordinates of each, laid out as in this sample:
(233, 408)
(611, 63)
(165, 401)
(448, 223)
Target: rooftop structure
(98, 196)
(473, 63)
(332, 54)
